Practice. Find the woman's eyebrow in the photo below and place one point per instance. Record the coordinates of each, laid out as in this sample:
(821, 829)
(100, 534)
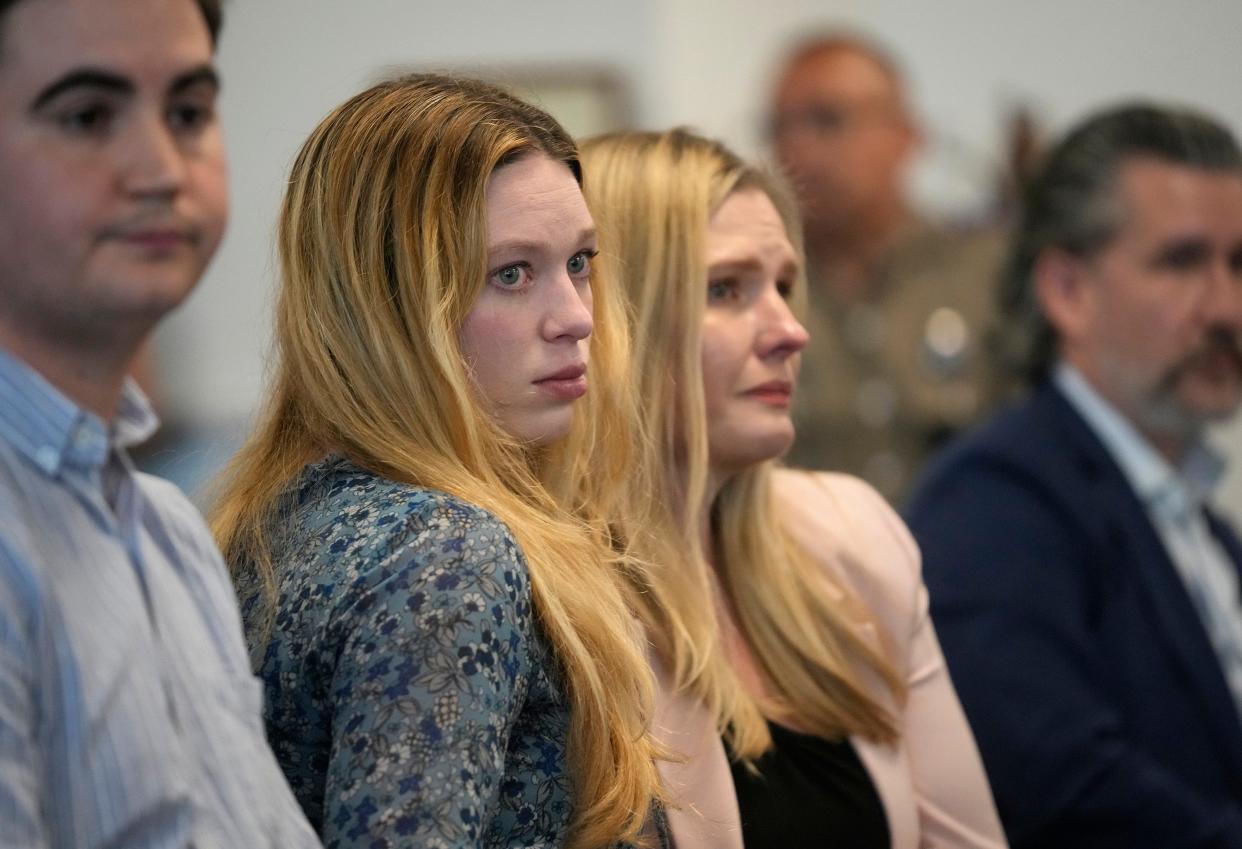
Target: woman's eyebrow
(534, 245)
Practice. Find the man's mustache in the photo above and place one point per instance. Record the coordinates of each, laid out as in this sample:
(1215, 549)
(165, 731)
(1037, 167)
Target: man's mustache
(1219, 340)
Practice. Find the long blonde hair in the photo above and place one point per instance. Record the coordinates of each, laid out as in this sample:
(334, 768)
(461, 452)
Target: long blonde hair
(383, 250)
(652, 195)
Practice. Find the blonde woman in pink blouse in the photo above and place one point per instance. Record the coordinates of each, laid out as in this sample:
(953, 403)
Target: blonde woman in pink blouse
(805, 700)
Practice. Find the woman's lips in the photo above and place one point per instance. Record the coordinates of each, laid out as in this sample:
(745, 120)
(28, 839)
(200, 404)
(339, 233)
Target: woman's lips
(567, 384)
(776, 393)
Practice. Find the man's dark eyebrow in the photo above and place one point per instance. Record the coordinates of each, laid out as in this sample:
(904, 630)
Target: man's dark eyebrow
(95, 78)
(91, 78)
(203, 75)
(1183, 249)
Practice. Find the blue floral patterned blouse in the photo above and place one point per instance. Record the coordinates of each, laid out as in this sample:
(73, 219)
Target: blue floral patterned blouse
(411, 698)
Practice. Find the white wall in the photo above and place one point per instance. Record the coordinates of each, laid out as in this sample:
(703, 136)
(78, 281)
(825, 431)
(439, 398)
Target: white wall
(285, 64)
(706, 63)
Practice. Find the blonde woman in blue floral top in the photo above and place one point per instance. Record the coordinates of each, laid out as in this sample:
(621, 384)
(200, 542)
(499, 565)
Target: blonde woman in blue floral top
(430, 590)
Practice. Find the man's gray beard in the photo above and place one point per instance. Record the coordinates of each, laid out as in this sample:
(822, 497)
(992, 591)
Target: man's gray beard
(1163, 412)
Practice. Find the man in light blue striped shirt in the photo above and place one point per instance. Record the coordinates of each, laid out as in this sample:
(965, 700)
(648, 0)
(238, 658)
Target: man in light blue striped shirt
(128, 714)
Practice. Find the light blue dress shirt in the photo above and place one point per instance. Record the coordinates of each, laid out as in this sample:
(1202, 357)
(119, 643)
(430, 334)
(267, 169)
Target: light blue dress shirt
(1174, 500)
(129, 717)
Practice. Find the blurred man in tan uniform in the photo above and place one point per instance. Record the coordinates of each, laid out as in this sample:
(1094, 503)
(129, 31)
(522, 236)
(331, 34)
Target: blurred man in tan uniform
(900, 309)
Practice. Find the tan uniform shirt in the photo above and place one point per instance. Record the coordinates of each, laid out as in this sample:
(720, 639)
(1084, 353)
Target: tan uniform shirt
(887, 379)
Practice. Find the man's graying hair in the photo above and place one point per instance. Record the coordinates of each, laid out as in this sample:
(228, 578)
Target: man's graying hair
(213, 14)
(1072, 205)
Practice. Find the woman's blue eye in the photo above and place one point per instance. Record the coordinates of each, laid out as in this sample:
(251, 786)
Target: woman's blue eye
(580, 263)
(510, 277)
(720, 290)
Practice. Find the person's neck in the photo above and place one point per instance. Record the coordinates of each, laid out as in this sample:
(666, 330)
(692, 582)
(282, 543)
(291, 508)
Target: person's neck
(846, 258)
(1173, 448)
(90, 375)
(1173, 444)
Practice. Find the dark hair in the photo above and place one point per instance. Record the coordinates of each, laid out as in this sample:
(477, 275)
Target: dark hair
(212, 10)
(1071, 204)
(213, 14)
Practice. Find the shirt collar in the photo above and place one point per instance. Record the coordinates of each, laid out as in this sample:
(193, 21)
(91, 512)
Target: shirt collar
(1151, 476)
(54, 432)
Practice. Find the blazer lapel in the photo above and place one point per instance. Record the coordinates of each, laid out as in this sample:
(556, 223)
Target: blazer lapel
(1228, 539)
(1128, 529)
(1183, 631)
(702, 803)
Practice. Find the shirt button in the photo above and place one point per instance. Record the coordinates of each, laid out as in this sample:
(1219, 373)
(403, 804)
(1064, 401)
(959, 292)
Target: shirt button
(47, 457)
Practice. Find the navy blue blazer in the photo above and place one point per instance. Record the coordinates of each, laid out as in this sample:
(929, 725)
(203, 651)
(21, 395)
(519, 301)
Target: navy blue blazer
(1099, 705)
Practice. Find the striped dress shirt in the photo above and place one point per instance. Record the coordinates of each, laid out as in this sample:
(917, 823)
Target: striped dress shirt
(1176, 502)
(129, 718)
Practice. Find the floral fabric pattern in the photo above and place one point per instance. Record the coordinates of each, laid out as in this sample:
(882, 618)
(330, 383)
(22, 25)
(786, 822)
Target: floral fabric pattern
(411, 699)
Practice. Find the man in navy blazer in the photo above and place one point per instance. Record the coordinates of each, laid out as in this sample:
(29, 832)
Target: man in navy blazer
(1086, 596)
